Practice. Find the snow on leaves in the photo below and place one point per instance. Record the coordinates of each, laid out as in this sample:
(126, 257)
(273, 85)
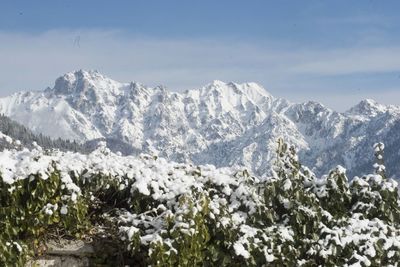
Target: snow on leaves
(174, 214)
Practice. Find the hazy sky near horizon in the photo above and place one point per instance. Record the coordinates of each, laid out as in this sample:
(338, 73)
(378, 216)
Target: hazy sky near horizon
(334, 52)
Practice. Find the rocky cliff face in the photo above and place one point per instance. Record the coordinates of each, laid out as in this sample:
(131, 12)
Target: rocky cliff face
(221, 123)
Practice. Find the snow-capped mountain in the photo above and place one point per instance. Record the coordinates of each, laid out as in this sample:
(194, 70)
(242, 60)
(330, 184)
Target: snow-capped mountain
(223, 124)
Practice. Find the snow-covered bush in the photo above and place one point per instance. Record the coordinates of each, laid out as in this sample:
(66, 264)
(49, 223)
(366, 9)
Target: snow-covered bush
(170, 214)
(31, 205)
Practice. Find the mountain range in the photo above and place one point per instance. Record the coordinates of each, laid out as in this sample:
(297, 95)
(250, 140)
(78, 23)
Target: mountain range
(223, 124)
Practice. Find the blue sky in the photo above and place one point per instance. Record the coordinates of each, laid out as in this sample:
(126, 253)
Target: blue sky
(335, 52)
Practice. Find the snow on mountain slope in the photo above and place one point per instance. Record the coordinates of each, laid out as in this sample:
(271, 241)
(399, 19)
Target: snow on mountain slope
(221, 123)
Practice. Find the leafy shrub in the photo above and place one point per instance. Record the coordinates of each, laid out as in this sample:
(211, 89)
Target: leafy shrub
(169, 214)
(30, 208)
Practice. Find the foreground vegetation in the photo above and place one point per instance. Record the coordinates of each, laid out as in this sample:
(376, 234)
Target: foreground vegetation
(168, 214)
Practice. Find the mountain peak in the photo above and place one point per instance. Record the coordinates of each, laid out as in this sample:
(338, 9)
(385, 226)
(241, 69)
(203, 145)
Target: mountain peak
(368, 102)
(217, 83)
(83, 74)
(252, 90)
(367, 107)
(76, 82)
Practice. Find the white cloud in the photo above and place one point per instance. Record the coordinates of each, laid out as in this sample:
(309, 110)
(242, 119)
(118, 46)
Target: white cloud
(33, 61)
(351, 61)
